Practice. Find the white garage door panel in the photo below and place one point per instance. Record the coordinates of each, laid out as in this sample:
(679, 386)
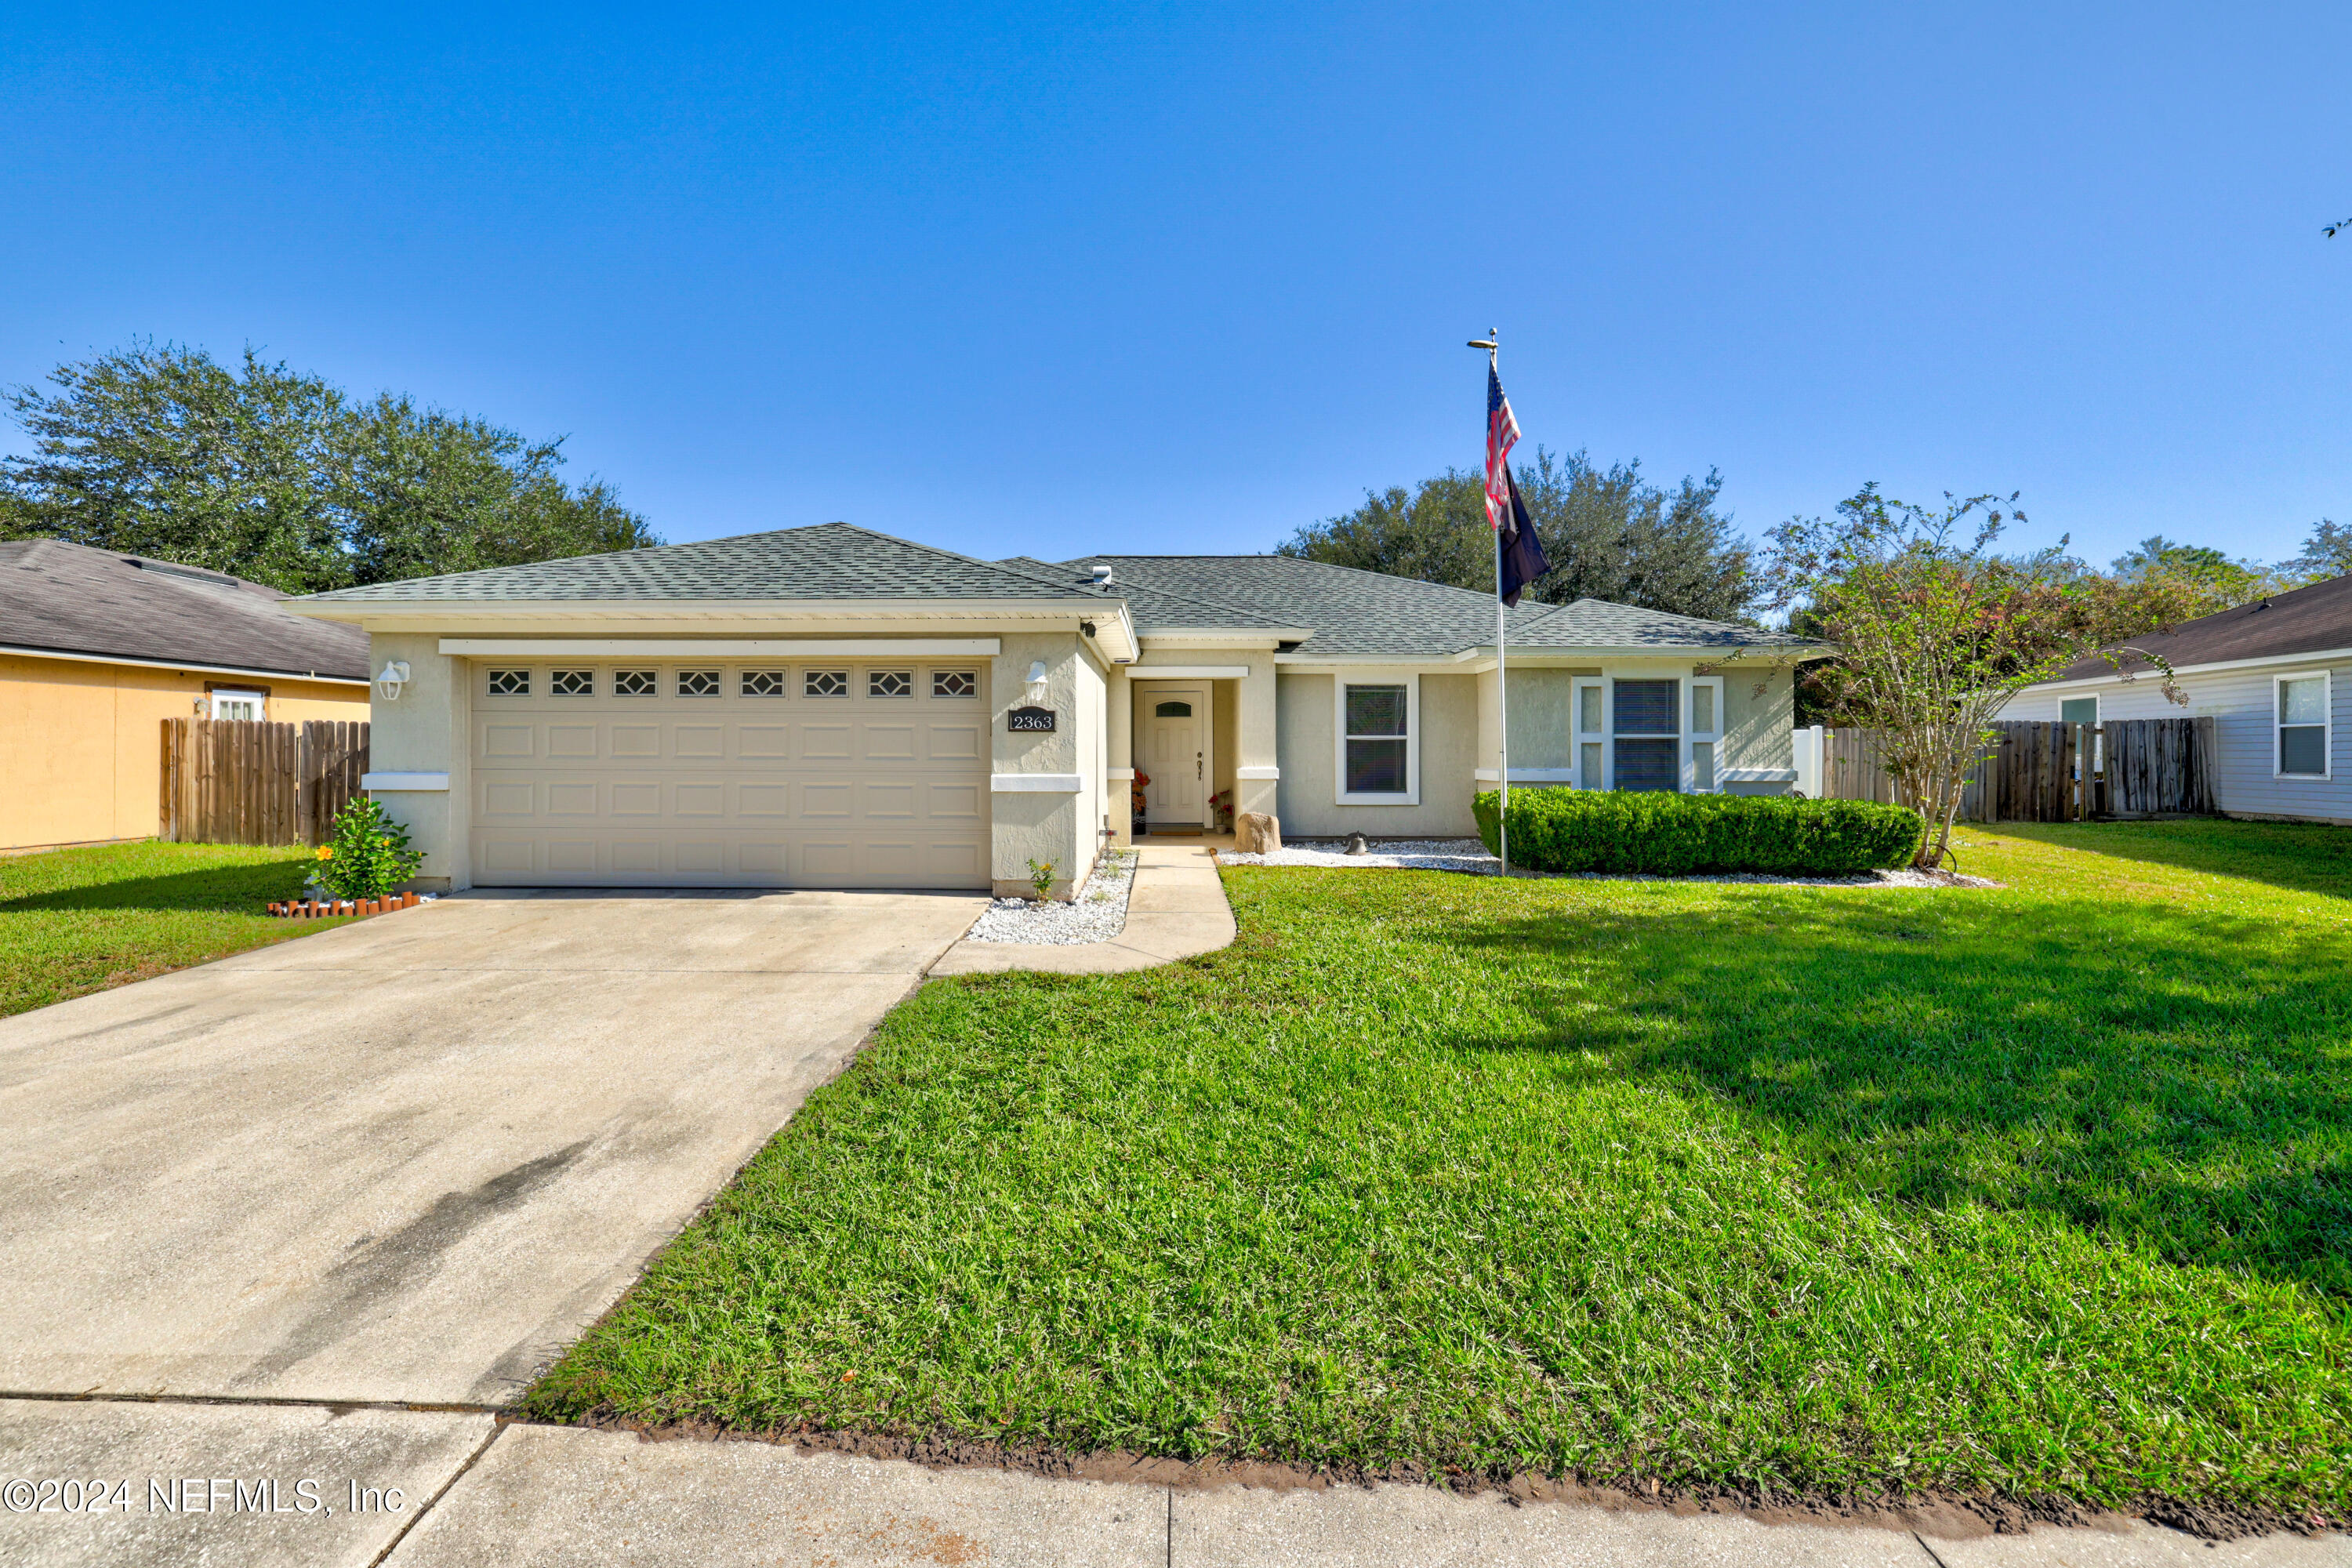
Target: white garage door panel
(730, 790)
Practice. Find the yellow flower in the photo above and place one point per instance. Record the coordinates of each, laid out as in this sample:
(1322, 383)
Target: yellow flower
(326, 851)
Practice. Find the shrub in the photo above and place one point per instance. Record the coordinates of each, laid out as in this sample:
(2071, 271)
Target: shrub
(367, 853)
(1592, 830)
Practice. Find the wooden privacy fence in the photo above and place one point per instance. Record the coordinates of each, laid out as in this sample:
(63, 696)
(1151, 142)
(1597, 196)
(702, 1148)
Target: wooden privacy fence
(243, 780)
(2136, 767)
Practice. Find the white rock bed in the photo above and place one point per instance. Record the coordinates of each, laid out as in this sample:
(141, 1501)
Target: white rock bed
(1097, 914)
(1470, 855)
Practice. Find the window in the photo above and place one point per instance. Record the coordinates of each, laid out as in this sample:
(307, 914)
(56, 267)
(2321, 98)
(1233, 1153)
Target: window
(510, 683)
(698, 683)
(1591, 735)
(825, 683)
(1376, 740)
(572, 683)
(1706, 710)
(634, 683)
(2079, 711)
(1643, 756)
(954, 683)
(2303, 726)
(762, 683)
(238, 704)
(889, 683)
(1172, 710)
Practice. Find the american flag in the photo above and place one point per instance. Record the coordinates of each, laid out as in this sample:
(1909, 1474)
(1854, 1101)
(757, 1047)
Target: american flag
(1502, 435)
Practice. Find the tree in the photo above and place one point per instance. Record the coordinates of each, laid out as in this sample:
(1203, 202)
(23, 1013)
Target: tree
(1934, 633)
(2327, 553)
(2217, 582)
(1610, 534)
(273, 474)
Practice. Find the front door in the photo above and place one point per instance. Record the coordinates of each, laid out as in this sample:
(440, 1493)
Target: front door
(1175, 755)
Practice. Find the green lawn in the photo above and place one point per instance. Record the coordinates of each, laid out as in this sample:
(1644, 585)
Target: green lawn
(2047, 1189)
(76, 921)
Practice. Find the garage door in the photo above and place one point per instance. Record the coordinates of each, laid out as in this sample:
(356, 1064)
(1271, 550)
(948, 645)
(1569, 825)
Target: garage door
(675, 773)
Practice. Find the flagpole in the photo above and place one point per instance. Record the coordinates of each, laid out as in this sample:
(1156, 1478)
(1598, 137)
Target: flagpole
(1502, 658)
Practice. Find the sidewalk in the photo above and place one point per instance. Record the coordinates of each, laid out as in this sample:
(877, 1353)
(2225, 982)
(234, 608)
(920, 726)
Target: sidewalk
(453, 1490)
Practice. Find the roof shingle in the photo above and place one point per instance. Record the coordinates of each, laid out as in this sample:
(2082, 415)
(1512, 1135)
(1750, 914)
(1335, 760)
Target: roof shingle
(69, 598)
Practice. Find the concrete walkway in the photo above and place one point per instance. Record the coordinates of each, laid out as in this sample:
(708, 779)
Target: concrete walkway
(453, 1490)
(1176, 910)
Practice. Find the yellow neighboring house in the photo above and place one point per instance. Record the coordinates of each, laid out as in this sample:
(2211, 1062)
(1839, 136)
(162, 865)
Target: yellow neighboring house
(97, 648)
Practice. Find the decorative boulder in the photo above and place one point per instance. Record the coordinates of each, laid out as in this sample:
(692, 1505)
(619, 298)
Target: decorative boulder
(1255, 833)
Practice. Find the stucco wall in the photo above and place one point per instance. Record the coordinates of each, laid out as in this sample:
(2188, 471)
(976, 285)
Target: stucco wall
(1759, 716)
(1055, 825)
(428, 730)
(2240, 702)
(1308, 795)
(1225, 749)
(81, 743)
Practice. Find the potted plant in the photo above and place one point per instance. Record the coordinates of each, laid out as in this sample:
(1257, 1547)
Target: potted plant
(1221, 803)
(1138, 800)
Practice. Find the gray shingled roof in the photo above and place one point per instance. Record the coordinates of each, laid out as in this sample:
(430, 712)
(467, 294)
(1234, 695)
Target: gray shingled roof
(1356, 613)
(829, 560)
(2314, 619)
(1152, 608)
(1597, 623)
(69, 598)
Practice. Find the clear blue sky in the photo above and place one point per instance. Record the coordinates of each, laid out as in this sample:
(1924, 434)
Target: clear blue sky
(1047, 279)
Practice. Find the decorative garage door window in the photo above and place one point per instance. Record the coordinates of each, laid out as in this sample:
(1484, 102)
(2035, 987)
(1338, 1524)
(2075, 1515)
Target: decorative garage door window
(889, 683)
(825, 683)
(698, 683)
(572, 683)
(763, 683)
(510, 683)
(1647, 735)
(954, 683)
(1376, 740)
(634, 683)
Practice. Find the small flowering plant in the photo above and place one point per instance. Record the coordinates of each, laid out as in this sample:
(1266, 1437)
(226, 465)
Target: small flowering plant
(367, 854)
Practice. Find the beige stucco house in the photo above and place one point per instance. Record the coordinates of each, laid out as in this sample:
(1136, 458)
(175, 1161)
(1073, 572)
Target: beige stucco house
(829, 707)
(97, 647)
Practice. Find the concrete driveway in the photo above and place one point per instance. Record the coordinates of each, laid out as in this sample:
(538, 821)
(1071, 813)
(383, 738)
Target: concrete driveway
(409, 1160)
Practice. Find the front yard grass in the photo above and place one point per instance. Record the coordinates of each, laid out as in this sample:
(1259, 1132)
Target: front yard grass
(76, 921)
(2046, 1189)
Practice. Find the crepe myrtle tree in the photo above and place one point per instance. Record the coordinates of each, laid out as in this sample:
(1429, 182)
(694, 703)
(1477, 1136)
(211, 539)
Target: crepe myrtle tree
(1935, 634)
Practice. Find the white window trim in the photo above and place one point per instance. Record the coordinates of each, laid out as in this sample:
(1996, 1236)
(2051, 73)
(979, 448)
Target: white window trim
(2327, 678)
(1578, 737)
(1411, 680)
(1694, 736)
(213, 699)
(2096, 706)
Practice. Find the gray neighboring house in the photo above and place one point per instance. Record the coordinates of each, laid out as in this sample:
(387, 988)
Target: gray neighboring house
(2276, 678)
(831, 707)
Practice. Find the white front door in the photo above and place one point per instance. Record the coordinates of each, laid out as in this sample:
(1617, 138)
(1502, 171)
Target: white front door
(1175, 755)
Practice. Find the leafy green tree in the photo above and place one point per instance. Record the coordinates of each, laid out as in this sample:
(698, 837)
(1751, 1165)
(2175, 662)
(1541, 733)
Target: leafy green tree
(2327, 553)
(273, 474)
(1934, 632)
(1608, 532)
(2217, 582)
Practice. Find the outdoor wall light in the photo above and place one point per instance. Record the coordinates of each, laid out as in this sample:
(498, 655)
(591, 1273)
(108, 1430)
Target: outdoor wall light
(1037, 680)
(394, 677)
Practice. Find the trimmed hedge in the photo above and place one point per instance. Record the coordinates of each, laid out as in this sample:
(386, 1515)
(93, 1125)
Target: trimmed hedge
(1662, 834)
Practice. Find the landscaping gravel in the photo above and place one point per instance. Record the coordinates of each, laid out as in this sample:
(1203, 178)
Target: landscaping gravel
(1097, 914)
(1470, 855)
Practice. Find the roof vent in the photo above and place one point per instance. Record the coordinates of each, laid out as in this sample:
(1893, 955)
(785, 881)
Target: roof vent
(1101, 574)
